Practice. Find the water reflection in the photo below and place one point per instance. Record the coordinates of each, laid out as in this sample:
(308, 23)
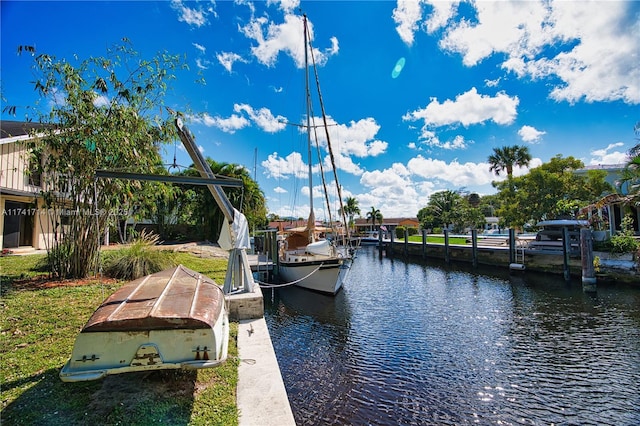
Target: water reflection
(418, 344)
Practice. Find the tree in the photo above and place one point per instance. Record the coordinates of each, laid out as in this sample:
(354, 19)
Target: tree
(631, 174)
(351, 209)
(106, 114)
(249, 199)
(550, 191)
(374, 216)
(449, 209)
(505, 158)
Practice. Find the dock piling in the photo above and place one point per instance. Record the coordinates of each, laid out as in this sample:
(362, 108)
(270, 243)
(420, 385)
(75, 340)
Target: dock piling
(586, 252)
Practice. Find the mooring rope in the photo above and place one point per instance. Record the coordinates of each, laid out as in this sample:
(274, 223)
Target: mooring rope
(267, 285)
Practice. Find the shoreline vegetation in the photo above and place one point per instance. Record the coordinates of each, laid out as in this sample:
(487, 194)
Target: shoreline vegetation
(39, 324)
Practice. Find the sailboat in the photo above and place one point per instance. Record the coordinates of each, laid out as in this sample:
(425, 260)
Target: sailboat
(307, 258)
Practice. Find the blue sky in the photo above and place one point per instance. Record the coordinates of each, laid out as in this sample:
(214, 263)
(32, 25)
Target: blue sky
(558, 77)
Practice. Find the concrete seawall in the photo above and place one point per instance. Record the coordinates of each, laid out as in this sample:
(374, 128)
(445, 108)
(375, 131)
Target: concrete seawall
(533, 260)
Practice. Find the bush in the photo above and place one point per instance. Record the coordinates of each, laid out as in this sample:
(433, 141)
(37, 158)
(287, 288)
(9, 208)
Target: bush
(623, 242)
(139, 259)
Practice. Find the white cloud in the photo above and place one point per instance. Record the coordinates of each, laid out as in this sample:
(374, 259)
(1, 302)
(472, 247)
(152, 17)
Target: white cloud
(291, 165)
(274, 38)
(227, 59)
(492, 83)
(455, 173)
(280, 190)
(408, 14)
(392, 192)
(344, 163)
(530, 134)
(200, 47)
(263, 118)
(228, 125)
(202, 64)
(286, 5)
(457, 143)
(196, 17)
(355, 138)
(589, 46)
(604, 156)
(467, 109)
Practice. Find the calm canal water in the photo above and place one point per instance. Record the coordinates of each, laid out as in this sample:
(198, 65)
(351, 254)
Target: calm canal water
(411, 344)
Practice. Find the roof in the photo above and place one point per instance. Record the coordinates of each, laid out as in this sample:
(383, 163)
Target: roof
(564, 222)
(387, 221)
(12, 131)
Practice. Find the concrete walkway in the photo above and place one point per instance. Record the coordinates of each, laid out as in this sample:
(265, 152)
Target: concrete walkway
(262, 398)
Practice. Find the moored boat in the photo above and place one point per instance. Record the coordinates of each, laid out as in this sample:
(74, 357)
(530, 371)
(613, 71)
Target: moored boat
(318, 266)
(173, 319)
(306, 257)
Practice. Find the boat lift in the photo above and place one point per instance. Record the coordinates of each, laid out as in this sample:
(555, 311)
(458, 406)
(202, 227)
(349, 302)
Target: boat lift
(234, 235)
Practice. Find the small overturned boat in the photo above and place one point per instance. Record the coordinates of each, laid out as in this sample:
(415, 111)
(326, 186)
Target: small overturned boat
(172, 319)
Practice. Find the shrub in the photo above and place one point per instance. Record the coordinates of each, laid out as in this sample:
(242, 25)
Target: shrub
(623, 242)
(139, 259)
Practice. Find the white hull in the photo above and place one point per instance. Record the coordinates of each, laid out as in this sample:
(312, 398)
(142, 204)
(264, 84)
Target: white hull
(173, 319)
(317, 273)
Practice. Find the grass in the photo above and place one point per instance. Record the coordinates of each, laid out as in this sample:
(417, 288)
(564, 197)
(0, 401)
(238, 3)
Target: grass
(39, 322)
(437, 239)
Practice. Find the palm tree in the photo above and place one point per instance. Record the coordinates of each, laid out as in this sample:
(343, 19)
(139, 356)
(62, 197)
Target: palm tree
(503, 159)
(351, 209)
(374, 216)
(631, 175)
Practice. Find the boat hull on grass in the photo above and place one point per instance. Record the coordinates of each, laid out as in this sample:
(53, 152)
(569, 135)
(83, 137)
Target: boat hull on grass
(173, 319)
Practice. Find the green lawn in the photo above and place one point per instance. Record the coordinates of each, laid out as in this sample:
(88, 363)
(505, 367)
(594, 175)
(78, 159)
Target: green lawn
(39, 323)
(436, 239)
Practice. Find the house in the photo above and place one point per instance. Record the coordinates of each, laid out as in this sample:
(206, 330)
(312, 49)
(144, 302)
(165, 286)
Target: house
(610, 210)
(25, 222)
(388, 224)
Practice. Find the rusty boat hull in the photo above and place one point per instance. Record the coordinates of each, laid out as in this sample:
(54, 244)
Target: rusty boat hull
(173, 319)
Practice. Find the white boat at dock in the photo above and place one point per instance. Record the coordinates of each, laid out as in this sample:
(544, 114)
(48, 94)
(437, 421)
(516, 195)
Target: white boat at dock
(307, 258)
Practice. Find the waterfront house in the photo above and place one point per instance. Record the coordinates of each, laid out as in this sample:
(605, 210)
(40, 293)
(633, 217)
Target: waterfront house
(388, 224)
(607, 214)
(24, 223)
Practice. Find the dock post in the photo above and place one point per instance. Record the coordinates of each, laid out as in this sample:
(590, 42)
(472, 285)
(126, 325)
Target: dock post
(512, 246)
(566, 247)
(586, 252)
(474, 247)
(274, 249)
(390, 246)
(424, 243)
(380, 245)
(446, 246)
(406, 242)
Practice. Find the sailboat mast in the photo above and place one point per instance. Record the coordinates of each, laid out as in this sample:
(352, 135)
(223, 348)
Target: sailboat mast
(308, 99)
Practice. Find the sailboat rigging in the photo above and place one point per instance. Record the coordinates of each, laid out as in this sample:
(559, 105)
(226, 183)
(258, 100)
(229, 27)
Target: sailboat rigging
(306, 256)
